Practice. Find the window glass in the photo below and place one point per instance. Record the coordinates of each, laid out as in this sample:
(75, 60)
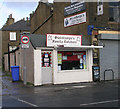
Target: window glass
(12, 36)
(114, 3)
(114, 8)
(71, 60)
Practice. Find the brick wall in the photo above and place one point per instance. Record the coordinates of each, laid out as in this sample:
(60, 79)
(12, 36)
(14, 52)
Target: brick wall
(41, 14)
(6, 40)
(56, 23)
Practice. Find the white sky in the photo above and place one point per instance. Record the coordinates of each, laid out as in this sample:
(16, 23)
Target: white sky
(18, 8)
(21, 8)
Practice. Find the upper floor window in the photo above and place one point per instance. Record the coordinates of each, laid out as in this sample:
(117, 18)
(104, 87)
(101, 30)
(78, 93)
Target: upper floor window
(114, 8)
(12, 36)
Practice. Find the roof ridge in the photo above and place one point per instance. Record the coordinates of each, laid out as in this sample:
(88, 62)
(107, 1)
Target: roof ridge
(19, 25)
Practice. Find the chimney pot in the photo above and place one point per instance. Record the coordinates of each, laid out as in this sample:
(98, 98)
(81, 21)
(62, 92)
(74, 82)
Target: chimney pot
(10, 16)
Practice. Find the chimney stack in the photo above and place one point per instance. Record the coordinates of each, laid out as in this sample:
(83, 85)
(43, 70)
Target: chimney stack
(10, 20)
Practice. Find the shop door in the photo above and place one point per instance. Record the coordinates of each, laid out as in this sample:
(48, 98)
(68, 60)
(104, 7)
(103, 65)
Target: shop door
(46, 67)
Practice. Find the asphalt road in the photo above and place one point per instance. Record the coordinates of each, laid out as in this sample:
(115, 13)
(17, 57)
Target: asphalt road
(103, 94)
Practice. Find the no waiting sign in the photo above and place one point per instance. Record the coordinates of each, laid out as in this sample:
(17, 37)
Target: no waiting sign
(25, 41)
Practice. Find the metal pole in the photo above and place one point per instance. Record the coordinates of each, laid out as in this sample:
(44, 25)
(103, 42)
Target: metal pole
(24, 73)
(104, 75)
(8, 57)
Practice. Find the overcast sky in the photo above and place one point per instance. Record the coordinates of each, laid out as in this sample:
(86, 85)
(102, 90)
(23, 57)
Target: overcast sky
(18, 8)
(21, 8)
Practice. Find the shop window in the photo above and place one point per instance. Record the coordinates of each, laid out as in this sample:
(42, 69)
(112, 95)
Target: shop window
(46, 59)
(114, 8)
(71, 60)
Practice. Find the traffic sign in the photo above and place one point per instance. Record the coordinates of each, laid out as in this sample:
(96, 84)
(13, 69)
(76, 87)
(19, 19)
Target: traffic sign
(24, 41)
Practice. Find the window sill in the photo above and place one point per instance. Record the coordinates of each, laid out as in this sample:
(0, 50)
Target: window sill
(76, 70)
(112, 22)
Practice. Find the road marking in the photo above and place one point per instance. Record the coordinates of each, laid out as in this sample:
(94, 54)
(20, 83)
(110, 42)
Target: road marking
(102, 102)
(25, 101)
(78, 86)
(66, 88)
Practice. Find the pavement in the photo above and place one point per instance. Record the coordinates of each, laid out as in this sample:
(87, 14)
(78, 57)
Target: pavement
(93, 94)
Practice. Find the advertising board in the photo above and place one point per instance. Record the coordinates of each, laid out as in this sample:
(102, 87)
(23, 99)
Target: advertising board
(76, 19)
(64, 40)
(100, 7)
(73, 8)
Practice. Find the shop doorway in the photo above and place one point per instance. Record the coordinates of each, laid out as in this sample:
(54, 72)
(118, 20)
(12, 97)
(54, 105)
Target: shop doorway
(47, 68)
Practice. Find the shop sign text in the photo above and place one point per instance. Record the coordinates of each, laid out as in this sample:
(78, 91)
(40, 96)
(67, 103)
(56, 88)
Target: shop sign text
(73, 8)
(64, 40)
(76, 19)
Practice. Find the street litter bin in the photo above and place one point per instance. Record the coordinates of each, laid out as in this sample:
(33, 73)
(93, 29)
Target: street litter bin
(96, 73)
(15, 73)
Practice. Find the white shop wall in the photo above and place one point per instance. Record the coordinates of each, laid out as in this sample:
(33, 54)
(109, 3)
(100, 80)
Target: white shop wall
(37, 68)
(70, 76)
(65, 76)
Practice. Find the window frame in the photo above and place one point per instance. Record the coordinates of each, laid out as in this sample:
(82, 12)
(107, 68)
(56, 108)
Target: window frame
(87, 66)
(113, 6)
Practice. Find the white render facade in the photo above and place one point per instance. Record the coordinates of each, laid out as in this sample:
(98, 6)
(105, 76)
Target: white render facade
(43, 65)
(64, 76)
(51, 75)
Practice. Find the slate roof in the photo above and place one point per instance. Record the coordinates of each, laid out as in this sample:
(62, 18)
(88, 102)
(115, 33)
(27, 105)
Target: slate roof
(17, 26)
(38, 40)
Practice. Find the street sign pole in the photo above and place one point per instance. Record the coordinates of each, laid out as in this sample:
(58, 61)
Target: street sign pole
(24, 71)
(24, 46)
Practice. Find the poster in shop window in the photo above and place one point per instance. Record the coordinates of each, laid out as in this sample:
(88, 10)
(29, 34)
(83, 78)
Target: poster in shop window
(46, 60)
(59, 58)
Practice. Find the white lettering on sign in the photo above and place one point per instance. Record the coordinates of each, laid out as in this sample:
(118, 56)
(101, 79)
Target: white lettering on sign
(65, 40)
(25, 46)
(76, 19)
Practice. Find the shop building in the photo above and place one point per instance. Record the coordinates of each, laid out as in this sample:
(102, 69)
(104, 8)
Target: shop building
(65, 18)
(57, 63)
(48, 63)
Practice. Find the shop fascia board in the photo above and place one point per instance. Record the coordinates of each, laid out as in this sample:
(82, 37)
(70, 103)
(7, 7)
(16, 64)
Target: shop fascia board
(108, 32)
(77, 48)
(68, 48)
(44, 48)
